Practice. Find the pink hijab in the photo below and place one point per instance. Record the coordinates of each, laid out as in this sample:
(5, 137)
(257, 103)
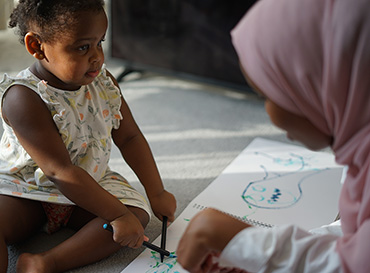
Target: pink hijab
(312, 57)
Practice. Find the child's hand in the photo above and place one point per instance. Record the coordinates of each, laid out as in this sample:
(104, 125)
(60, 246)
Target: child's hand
(128, 231)
(163, 204)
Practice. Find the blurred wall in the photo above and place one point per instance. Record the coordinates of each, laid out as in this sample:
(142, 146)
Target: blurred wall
(6, 6)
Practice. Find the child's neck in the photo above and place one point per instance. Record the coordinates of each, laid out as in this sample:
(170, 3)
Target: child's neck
(43, 74)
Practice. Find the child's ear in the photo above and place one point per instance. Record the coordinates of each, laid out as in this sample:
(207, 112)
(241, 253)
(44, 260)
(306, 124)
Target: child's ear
(33, 45)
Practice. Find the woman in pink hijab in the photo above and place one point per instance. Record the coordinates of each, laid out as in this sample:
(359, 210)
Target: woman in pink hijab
(311, 60)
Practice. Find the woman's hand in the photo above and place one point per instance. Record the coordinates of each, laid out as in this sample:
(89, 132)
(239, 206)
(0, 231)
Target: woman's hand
(211, 266)
(163, 204)
(206, 236)
(128, 230)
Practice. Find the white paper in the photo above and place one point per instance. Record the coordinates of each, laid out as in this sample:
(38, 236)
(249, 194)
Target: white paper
(269, 182)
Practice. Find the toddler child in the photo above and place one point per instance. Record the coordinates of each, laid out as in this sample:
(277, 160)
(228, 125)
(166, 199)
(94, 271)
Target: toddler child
(60, 116)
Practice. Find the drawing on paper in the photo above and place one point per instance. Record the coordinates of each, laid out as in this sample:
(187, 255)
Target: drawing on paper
(266, 177)
(274, 190)
(156, 266)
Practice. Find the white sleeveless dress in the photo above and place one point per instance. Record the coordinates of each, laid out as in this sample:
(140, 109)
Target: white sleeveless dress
(85, 119)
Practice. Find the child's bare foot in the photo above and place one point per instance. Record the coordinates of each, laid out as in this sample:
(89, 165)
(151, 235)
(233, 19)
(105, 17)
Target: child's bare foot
(33, 263)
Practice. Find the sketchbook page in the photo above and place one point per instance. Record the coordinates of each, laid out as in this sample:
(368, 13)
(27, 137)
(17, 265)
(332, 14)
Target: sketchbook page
(277, 183)
(270, 182)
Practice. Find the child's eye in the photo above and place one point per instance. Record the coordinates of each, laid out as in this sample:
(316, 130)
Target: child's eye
(100, 42)
(83, 48)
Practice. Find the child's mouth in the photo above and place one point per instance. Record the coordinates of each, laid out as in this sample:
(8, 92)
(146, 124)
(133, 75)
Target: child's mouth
(93, 74)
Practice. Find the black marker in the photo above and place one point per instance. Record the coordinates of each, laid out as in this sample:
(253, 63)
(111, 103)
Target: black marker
(146, 244)
(164, 234)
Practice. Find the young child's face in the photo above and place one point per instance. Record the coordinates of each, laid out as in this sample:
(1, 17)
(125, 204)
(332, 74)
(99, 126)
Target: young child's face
(298, 128)
(76, 56)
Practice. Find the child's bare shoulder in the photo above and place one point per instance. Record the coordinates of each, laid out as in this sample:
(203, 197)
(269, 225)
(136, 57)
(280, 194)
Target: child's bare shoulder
(20, 102)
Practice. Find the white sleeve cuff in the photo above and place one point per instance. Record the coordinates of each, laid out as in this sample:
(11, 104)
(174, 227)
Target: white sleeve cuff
(281, 249)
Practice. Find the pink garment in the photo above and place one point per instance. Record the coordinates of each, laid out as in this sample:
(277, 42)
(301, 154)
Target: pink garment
(312, 57)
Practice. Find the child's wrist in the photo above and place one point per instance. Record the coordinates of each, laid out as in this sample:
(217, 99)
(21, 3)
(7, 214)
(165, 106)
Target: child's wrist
(119, 213)
(154, 193)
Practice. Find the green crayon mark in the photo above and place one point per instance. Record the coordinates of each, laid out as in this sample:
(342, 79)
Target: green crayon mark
(159, 267)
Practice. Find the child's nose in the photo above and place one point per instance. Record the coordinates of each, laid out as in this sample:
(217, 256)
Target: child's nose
(97, 55)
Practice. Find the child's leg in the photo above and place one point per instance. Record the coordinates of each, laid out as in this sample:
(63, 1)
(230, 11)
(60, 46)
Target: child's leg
(20, 218)
(90, 244)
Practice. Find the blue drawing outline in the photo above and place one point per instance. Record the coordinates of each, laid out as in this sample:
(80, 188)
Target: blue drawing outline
(253, 194)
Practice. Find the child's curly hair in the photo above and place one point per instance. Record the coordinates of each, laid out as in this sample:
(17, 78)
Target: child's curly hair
(49, 17)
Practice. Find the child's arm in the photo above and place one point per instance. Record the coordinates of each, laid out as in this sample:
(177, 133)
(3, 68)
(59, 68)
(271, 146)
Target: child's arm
(34, 127)
(136, 152)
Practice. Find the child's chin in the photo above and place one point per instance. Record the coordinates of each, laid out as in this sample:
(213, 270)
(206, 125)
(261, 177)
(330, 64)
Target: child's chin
(87, 81)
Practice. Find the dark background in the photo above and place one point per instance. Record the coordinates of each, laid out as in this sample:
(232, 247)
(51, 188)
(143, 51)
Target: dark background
(188, 37)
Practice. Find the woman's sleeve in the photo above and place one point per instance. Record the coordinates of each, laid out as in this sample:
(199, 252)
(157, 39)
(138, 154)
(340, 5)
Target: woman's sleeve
(354, 249)
(283, 249)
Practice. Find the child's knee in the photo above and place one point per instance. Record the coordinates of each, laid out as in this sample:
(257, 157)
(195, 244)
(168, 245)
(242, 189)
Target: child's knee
(19, 218)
